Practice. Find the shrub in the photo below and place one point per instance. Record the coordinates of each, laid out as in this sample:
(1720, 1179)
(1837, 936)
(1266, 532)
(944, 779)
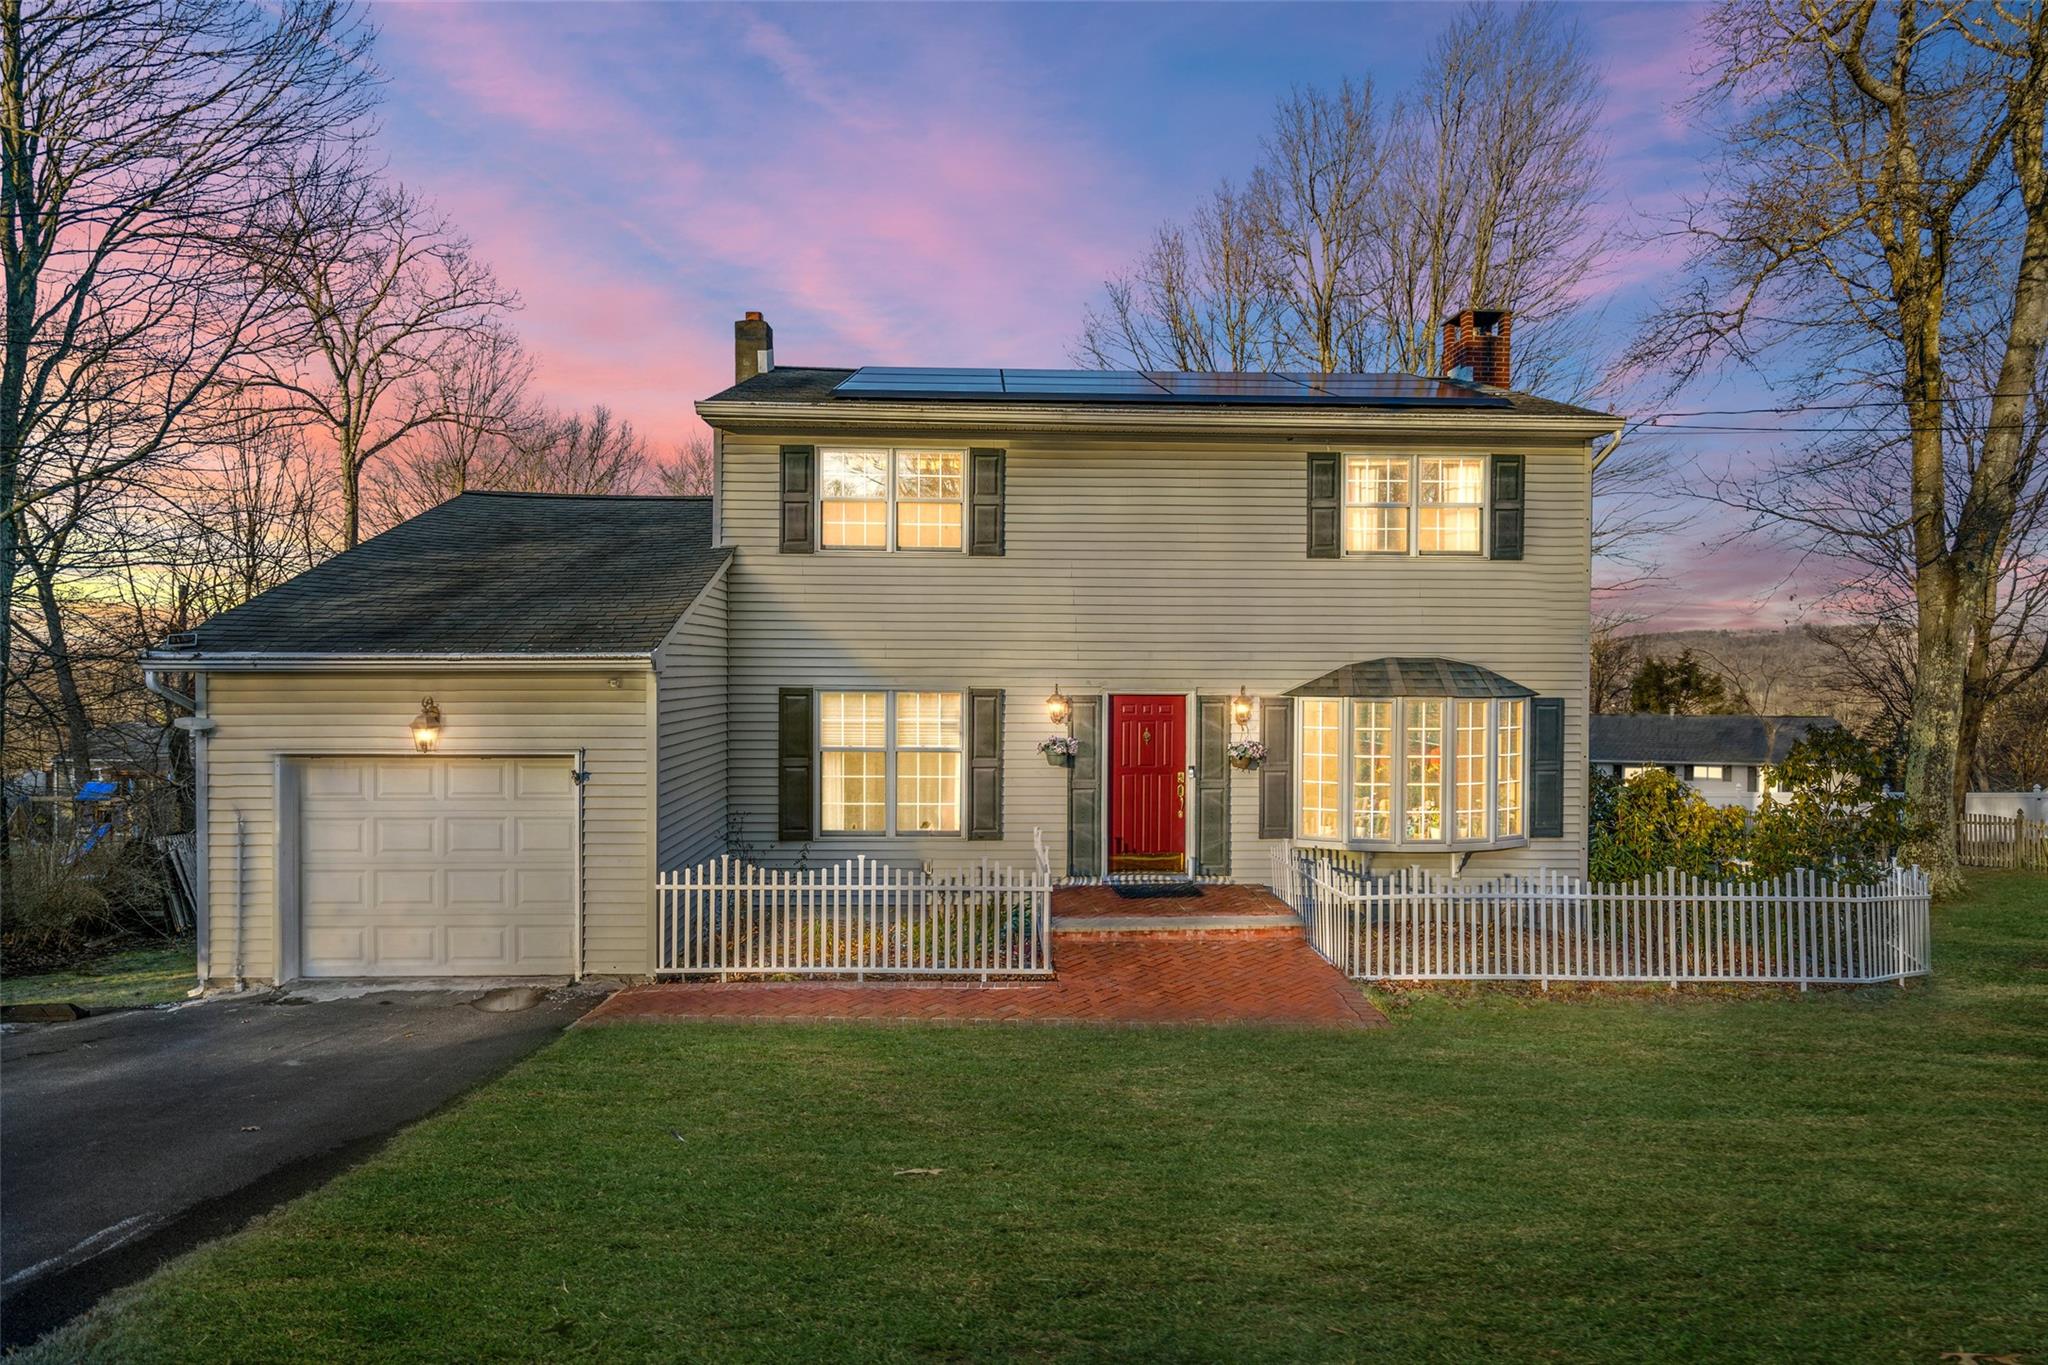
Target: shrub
(60, 909)
(1834, 815)
(1654, 821)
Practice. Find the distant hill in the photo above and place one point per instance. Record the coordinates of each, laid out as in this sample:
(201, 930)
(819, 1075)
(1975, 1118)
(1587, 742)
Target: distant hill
(1787, 672)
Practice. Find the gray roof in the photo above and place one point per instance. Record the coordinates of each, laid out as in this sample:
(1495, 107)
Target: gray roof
(813, 384)
(1411, 678)
(490, 573)
(1700, 739)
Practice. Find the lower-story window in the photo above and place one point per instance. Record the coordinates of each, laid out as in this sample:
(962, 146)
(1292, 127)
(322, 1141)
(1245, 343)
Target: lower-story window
(1422, 771)
(889, 762)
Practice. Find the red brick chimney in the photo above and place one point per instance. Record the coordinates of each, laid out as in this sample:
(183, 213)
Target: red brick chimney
(1476, 346)
(753, 347)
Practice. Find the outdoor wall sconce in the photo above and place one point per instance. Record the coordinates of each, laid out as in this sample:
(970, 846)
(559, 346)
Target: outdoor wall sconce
(1241, 708)
(426, 726)
(1057, 707)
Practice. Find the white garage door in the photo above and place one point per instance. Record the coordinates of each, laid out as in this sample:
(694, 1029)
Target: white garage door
(437, 867)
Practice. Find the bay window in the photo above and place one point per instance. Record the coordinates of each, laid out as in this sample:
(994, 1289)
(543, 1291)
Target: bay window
(889, 762)
(1423, 772)
(891, 499)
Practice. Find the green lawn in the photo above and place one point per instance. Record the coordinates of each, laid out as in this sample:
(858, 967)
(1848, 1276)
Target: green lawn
(144, 976)
(1837, 1177)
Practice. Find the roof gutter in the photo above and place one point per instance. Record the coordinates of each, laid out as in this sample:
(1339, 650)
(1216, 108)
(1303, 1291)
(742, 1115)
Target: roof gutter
(1150, 418)
(258, 661)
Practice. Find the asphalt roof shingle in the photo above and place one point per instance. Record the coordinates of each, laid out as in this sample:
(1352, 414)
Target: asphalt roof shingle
(492, 573)
(1650, 738)
(814, 384)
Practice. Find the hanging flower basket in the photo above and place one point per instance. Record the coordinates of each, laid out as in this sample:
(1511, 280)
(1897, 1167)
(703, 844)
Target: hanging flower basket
(1059, 750)
(1247, 754)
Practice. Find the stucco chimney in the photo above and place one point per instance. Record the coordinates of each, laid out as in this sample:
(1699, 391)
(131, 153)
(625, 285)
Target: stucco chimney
(753, 347)
(1476, 346)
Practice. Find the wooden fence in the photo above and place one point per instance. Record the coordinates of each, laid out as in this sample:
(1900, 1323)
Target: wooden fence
(1418, 925)
(2004, 841)
(854, 919)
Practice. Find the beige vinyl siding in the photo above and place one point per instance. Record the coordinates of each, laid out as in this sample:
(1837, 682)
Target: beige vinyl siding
(1136, 566)
(261, 718)
(690, 723)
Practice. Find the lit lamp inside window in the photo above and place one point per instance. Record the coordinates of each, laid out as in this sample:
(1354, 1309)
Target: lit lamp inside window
(426, 726)
(1241, 708)
(1057, 707)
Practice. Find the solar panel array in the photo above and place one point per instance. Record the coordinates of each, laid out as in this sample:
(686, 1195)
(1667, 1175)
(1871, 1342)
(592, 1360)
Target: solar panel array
(1279, 387)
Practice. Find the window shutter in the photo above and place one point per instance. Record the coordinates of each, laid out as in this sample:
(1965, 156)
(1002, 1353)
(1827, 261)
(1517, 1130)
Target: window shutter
(1508, 475)
(794, 761)
(1276, 778)
(1084, 790)
(986, 476)
(799, 500)
(985, 765)
(1212, 786)
(1325, 506)
(1753, 784)
(1546, 768)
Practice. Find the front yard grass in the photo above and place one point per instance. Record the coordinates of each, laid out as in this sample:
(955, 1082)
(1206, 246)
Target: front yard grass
(139, 976)
(1840, 1176)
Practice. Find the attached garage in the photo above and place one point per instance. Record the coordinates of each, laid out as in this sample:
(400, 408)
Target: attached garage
(571, 652)
(437, 867)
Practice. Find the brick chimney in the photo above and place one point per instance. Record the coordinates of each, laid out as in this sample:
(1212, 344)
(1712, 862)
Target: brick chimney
(1476, 346)
(753, 347)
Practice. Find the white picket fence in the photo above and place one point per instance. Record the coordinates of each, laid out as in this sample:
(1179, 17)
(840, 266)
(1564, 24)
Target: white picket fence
(2003, 841)
(1418, 925)
(855, 919)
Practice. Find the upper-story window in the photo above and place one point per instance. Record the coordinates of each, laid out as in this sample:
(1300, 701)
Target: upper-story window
(1423, 504)
(904, 499)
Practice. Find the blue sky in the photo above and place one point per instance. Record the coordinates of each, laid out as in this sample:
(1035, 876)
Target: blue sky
(910, 183)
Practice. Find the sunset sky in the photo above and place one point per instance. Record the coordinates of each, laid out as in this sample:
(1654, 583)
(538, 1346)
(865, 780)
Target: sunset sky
(938, 185)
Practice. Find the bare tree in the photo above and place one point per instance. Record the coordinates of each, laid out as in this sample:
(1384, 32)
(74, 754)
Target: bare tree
(138, 139)
(1201, 298)
(1612, 662)
(691, 473)
(1880, 211)
(574, 453)
(391, 305)
(485, 392)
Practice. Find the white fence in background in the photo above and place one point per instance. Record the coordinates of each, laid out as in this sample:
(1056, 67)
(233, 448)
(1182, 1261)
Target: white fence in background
(855, 919)
(1796, 929)
(2003, 841)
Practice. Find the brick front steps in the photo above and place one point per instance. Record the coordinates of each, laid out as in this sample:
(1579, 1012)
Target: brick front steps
(1226, 958)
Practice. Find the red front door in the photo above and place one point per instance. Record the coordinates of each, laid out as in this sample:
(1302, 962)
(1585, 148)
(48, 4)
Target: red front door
(1148, 793)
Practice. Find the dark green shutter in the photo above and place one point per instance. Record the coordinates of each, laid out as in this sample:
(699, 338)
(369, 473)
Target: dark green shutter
(1507, 507)
(1325, 507)
(985, 765)
(1212, 786)
(794, 760)
(1752, 780)
(985, 478)
(1276, 778)
(1546, 768)
(1084, 790)
(799, 500)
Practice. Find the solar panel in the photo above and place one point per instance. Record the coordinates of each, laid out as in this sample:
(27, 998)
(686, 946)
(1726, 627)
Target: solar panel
(1276, 388)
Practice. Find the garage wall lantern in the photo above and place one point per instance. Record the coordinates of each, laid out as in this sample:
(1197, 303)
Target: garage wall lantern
(426, 726)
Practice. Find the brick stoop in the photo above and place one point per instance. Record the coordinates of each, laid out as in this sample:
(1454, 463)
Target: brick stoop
(1161, 966)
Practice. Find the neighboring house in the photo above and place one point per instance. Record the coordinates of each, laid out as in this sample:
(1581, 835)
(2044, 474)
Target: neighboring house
(1720, 757)
(2033, 805)
(857, 646)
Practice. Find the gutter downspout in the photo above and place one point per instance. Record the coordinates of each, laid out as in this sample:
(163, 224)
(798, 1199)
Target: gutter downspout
(1613, 444)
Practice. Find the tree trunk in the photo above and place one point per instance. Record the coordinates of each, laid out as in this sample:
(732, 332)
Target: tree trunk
(77, 723)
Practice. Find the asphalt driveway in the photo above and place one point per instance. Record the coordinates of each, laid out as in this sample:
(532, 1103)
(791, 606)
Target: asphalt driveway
(128, 1138)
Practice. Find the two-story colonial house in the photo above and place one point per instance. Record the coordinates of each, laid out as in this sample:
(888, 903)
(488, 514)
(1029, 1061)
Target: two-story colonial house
(468, 746)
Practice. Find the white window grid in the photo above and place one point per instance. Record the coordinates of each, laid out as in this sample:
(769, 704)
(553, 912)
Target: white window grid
(892, 752)
(1351, 714)
(893, 499)
(1411, 539)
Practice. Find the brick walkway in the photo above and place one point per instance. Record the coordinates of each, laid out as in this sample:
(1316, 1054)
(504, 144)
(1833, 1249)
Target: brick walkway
(1116, 978)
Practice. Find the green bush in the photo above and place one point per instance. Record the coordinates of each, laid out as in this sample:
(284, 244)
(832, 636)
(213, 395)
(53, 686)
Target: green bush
(1832, 815)
(1654, 821)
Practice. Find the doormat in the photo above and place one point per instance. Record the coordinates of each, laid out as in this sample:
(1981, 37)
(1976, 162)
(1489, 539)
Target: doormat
(1155, 891)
